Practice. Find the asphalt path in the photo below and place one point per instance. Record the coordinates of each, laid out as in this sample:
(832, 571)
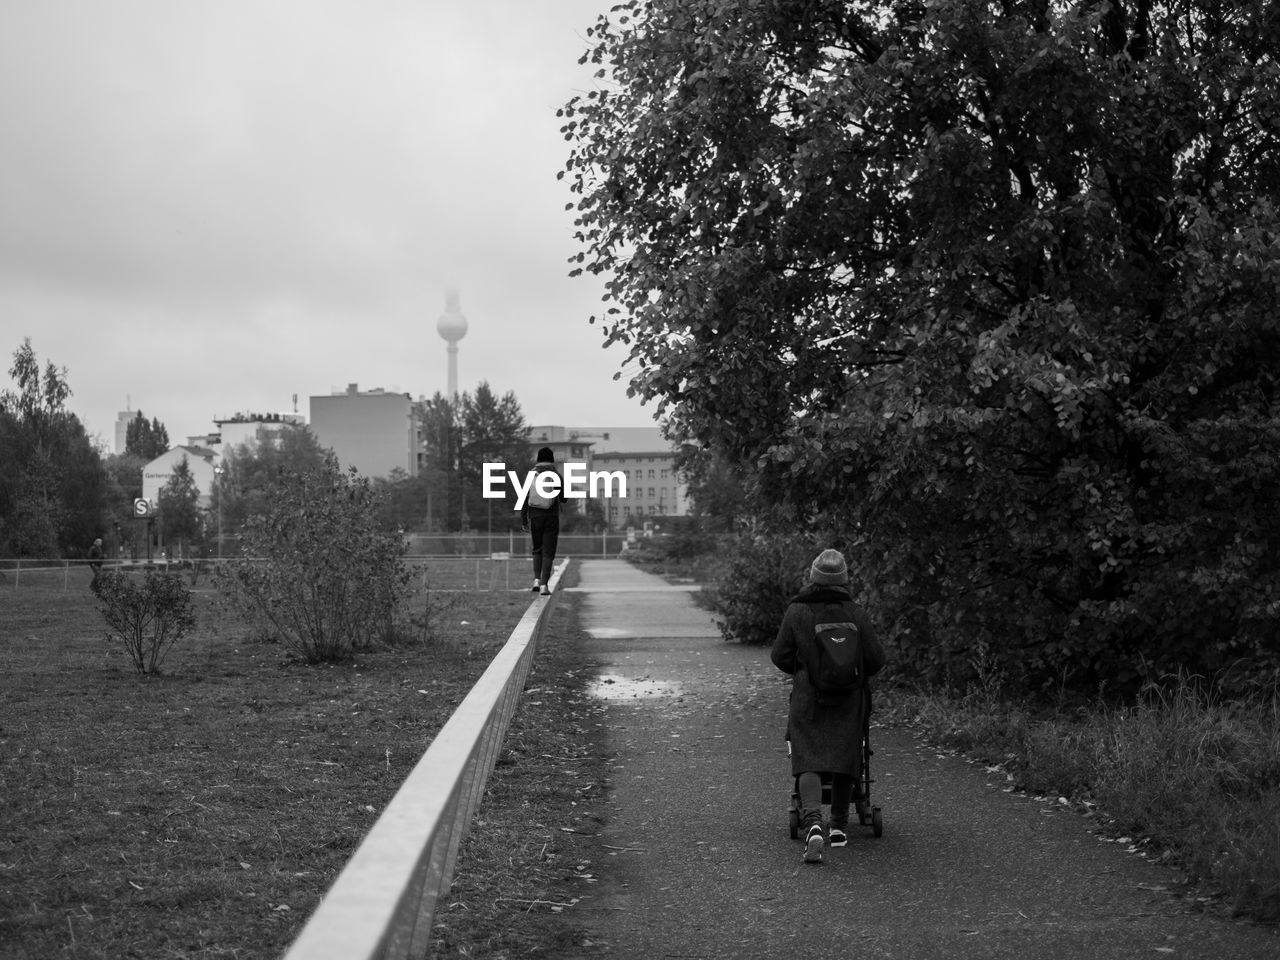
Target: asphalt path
(697, 859)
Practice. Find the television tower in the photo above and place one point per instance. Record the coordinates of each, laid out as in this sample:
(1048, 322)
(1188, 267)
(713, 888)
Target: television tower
(452, 325)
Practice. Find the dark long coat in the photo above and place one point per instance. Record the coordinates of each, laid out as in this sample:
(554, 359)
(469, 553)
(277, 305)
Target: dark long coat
(825, 737)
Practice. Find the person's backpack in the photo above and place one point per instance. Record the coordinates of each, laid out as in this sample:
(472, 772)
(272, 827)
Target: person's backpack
(538, 500)
(837, 659)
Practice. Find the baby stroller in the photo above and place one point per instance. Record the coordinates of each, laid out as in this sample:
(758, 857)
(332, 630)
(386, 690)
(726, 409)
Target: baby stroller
(868, 815)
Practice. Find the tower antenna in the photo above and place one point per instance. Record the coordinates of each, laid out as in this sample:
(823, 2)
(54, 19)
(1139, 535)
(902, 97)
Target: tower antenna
(452, 325)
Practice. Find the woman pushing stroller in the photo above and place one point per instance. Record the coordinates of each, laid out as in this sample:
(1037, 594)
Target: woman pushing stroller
(827, 644)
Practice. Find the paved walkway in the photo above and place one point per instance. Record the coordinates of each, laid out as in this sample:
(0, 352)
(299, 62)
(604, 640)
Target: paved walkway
(697, 860)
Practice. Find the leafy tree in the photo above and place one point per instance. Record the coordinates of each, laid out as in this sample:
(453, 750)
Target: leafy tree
(124, 471)
(720, 491)
(52, 484)
(319, 571)
(493, 431)
(406, 500)
(438, 479)
(250, 472)
(145, 439)
(40, 401)
(992, 288)
(459, 437)
(123, 486)
(181, 519)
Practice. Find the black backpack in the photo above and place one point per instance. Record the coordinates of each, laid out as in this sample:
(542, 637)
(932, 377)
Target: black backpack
(837, 658)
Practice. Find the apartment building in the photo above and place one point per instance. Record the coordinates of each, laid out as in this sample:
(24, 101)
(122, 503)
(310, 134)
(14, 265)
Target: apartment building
(375, 431)
(641, 454)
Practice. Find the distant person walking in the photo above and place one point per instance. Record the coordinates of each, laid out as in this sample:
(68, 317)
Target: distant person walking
(540, 518)
(95, 561)
(827, 644)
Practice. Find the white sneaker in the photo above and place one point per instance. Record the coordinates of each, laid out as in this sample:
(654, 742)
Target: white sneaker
(813, 845)
(537, 585)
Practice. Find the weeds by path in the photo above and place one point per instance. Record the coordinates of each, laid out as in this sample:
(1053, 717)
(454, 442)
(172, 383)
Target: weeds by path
(531, 856)
(1197, 779)
(204, 812)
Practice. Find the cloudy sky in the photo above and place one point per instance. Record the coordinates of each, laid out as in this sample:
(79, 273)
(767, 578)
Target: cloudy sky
(208, 207)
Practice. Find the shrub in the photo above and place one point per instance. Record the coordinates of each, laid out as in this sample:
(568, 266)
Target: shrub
(685, 548)
(149, 617)
(317, 569)
(761, 576)
(1196, 774)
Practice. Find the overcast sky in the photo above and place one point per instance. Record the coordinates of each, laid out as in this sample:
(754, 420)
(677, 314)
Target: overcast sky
(206, 208)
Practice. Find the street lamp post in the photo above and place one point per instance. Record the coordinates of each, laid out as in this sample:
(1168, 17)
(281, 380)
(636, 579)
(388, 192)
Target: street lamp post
(218, 472)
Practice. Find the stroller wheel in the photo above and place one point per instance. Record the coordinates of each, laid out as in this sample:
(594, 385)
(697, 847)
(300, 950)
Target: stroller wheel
(877, 823)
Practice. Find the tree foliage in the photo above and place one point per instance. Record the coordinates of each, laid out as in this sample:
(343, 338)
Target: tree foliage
(459, 436)
(53, 487)
(431, 501)
(717, 487)
(993, 287)
(145, 439)
(251, 472)
(181, 519)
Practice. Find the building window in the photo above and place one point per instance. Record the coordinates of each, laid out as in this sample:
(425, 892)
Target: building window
(651, 492)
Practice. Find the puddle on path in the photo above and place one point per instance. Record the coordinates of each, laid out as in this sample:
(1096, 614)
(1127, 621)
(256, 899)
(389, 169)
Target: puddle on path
(607, 633)
(612, 686)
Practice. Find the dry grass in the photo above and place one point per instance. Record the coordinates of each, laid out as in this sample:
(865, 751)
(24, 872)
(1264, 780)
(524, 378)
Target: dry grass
(528, 860)
(1194, 776)
(204, 812)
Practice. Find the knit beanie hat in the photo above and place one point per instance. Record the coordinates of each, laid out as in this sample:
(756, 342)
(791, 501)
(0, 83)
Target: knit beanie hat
(829, 569)
(546, 456)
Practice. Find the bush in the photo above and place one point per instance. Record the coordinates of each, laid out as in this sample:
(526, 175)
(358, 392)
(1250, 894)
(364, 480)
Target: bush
(761, 575)
(684, 549)
(149, 618)
(317, 569)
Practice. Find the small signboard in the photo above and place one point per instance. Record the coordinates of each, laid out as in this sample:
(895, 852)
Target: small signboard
(144, 509)
(500, 555)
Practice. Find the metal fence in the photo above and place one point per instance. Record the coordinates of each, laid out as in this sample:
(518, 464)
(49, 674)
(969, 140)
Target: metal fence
(454, 561)
(418, 546)
(496, 571)
(608, 544)
(49, 573)
(382, 905)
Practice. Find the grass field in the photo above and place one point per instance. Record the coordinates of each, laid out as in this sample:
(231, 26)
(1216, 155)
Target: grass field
(202, 813)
